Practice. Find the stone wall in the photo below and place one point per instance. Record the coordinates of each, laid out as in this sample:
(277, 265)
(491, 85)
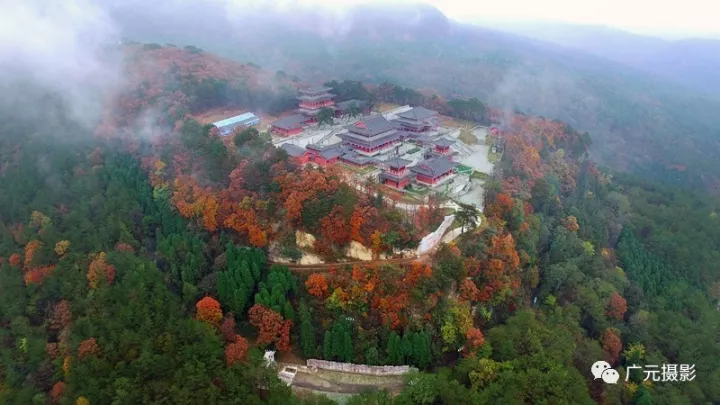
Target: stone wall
(359, 368)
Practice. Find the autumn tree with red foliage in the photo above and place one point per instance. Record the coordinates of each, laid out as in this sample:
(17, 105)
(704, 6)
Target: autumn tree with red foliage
(61, 316)
(15, 260)
(475, 339)
(88, 347)
(236, 351)
(469, 291)
(571, 224)
(36, 275)
(417, 271)
(334, 227)
(502, 205)
(616, 307)
(271, 327)
(57, 392)
(258, 237)
(208, 311)
(100, 268)
(30, 250)
(228, 327)
(317, 285)
(612, 344)
(283, 342)
(501, 277)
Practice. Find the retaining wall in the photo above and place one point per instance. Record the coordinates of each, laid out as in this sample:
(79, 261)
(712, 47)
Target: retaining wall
(359, 368)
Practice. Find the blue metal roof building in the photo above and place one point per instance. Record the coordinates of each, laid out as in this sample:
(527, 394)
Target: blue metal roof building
(228, 125)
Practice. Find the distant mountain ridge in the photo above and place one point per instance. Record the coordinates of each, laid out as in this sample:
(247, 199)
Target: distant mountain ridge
(694, 62)
(638, 120)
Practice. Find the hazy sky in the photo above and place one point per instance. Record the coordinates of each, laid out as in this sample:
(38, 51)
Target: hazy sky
(651, 16)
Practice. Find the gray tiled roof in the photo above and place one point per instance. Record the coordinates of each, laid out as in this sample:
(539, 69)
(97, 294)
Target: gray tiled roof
(397, 162)
(434, 167)
(293, 150)
(444, 142)
(319, 97)
(353, 157)
(406, 122)
(369, 142)
(421, 138)
(331, 153)
(371, 126)
(315, 89)
(293, 121)
(418, 113)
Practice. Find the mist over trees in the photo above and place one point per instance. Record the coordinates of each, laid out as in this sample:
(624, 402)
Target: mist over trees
(136, 244)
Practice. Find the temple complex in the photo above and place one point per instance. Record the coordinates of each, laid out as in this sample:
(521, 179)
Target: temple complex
(312, 100)
(442, 146)
(418, 120)
(371, 135)
(289, 126)
(433, 171)
(395, 173)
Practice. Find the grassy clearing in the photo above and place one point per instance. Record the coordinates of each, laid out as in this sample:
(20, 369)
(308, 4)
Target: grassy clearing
(479, 175)
(385, 107)
(457, 122)
(468, 137)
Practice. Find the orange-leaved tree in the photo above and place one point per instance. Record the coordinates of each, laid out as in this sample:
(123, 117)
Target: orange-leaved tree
(88, 347)
(208, 311)
(317, 285)
(271, 327)
(616, 307)
(612, 344)
(236, 351)
(100, 268)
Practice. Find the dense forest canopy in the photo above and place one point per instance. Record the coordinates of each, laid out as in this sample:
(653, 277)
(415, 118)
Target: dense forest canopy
(135, 266)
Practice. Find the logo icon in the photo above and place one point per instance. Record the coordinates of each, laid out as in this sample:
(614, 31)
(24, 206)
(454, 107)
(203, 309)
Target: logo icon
(601, 369)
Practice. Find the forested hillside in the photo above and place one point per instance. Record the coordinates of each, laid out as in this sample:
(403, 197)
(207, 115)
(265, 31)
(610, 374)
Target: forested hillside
(135, 262)
(638, 120)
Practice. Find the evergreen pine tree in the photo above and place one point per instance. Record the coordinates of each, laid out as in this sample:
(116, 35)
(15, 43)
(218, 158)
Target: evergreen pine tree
(327, 345)
(288, 312)
(407, 347)
(347, 347)
(392, 349)
(337, 341)
(307, 332)
(255, 268)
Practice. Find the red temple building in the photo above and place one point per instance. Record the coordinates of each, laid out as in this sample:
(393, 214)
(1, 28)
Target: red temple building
(434, 171)
(298, 155)
(442, 146)
(324, 155)
(289, 126)
(418, 120)
(371, 136)
(396, 173)
(314, 99)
